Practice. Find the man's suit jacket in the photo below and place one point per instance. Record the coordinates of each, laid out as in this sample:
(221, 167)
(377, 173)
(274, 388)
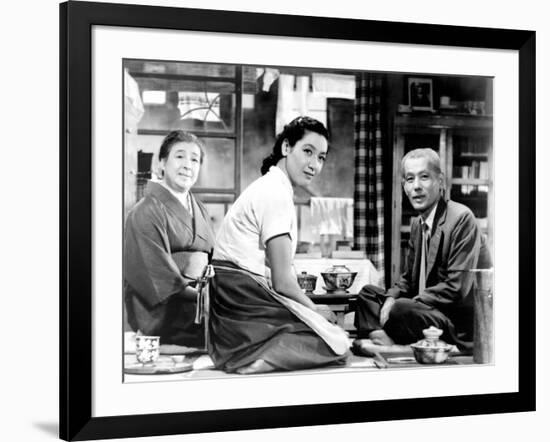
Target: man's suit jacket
(454, 248)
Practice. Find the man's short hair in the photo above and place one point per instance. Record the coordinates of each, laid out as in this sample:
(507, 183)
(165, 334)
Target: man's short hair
(434, 162)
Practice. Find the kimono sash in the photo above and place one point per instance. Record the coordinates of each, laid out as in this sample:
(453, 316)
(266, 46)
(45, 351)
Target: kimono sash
(191, 263)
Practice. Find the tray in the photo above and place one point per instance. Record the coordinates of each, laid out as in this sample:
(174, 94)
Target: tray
(159, 367)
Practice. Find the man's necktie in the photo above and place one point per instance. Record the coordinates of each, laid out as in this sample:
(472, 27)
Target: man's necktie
(423, 257)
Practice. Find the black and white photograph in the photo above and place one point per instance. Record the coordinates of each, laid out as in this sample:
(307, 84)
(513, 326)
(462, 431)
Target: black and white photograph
(274, 221)
(420, 93)
(287, 219)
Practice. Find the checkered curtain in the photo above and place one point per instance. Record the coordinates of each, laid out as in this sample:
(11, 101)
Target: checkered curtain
(368, 216)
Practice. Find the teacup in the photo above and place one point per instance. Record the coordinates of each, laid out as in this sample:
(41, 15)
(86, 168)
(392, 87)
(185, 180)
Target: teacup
(147, 348)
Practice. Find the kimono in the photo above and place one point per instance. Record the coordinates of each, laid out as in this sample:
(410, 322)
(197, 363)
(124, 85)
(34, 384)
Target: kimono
(166, 248)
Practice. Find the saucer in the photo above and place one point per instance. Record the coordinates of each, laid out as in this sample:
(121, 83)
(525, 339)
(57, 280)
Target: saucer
(158, 368)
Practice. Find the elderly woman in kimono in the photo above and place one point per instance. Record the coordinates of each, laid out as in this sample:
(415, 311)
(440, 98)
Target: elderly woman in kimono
(168, 242)
(260, 320)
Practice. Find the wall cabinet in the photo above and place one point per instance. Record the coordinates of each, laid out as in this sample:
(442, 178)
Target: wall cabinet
(465, 146)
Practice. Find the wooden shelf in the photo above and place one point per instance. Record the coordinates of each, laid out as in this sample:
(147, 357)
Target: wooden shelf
(471, 181)
(474, 155)
(440, 121)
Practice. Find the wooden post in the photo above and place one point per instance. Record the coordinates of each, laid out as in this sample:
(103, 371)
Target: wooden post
(483, 316)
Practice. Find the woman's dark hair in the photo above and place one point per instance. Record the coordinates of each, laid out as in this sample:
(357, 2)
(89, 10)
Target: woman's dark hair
(179, 136)
(293, 132)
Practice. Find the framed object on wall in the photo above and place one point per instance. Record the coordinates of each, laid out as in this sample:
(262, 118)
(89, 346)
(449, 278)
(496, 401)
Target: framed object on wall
(420, 93)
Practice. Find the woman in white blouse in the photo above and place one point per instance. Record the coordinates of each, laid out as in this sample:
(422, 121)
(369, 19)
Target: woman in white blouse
(260, 320)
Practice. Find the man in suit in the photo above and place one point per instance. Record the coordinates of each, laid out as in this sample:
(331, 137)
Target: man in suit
(436, 287)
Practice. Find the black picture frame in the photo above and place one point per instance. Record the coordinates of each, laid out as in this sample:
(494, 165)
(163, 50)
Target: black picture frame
(420, 93)
(76, 239)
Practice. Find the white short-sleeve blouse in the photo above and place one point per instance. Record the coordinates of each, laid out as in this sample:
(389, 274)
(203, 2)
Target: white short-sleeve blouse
(264, 210)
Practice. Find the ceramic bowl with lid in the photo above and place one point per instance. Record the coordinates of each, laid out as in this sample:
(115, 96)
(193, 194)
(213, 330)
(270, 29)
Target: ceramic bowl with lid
(338, 278)
(307, 282)
(431, 349)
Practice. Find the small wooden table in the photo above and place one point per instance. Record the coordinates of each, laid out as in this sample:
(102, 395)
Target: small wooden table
(339, 303)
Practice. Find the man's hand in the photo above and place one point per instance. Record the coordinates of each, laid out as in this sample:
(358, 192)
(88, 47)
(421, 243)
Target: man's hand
(385, 310)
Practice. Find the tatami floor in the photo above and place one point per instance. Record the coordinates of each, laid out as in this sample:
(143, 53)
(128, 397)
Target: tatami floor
(199, 366)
